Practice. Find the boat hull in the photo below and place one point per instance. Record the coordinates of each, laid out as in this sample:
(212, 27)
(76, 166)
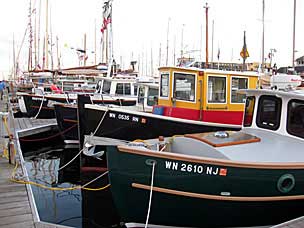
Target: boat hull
(126, 126)
(66, 116)
(210, 196)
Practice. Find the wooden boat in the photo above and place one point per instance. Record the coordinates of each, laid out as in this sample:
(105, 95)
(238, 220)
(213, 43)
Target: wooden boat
(190, 100)
(253, 177)
(119, 90)
(66, 114)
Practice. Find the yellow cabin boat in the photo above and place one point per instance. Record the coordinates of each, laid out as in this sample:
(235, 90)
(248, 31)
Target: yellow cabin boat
(204, 94)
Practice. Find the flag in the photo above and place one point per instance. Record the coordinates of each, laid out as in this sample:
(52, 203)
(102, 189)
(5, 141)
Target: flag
(244, 52)
(107, 15)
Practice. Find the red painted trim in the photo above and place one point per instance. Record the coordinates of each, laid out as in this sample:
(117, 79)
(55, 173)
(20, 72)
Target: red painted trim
(225, 117)
(218, 116)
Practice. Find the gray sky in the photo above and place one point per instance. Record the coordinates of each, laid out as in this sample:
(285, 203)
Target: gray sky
(140, 28)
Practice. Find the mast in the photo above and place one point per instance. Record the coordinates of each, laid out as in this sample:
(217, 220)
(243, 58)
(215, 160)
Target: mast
(182, 41)
(167, 42)
(206, 7)
(294, 33)
(46, 35)
(263, 25)
(85, 49)
(38, 36)
(159, 55)
(30, 37)
(212, 41)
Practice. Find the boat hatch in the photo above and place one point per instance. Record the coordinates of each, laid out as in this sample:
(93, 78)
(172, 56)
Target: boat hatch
(227, 138)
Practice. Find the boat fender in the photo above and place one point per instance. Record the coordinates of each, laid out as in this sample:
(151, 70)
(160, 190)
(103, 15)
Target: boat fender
(286, 183)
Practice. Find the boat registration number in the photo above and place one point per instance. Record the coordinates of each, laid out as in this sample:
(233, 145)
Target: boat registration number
(195, 168)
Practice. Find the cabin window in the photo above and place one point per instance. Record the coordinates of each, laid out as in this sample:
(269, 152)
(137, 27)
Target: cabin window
(123, 89)
(236, 84)
(216, 89)
(152, 96)
(106, 87)
(269, 112)
(164, 85)
(184, 87)
(295, 118)
(135, 89)
(249, 109)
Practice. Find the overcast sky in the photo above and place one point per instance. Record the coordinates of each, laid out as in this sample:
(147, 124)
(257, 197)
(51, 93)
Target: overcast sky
(140, 30)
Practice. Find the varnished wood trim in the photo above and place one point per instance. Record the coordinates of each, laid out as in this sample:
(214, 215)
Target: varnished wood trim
(212, 161)
(218, 197)
(223, 144)
(70, 121)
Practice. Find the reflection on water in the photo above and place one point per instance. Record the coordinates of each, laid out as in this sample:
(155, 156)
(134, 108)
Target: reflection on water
(76, 208)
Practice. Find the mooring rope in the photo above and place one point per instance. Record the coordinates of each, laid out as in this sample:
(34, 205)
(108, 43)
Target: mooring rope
(100, 122)
(65, 165)
(20, 181)
(150, 198)
(35, 117)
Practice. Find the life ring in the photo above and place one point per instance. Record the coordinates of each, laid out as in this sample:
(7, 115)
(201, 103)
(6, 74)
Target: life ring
(286, 183)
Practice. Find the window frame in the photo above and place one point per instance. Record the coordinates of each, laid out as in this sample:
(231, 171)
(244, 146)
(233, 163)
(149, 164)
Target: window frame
(195, 87)
(278, 111)
(161, 84)
(226, 94)
(245, 112)
(238, 77)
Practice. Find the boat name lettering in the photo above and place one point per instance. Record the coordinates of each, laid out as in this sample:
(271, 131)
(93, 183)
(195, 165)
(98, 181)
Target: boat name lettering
(112, 115)
(123, 117)
(38, 99)
(195, 168)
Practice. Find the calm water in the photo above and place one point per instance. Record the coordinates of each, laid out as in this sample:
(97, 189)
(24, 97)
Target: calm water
(77, 208)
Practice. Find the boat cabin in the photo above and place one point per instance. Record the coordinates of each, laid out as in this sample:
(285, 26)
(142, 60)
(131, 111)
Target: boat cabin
(119, 85)
(276, 111)
(203, 94)
(147, 96)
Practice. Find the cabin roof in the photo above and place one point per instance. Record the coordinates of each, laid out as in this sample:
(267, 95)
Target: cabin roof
(215, 71)
(292, 93)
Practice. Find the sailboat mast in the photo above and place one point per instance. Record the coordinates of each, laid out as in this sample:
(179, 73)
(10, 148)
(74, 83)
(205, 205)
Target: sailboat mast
(167, 50)
(46, 35)
(263, 26)
(30, 37)
(294, 33)
(206, 7)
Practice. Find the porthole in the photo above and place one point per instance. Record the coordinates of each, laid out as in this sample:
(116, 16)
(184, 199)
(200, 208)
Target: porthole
(286, 183)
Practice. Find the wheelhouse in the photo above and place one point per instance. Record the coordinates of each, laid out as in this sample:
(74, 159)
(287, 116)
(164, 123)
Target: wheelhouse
(276, 111)
(118, 86)
(204, 94)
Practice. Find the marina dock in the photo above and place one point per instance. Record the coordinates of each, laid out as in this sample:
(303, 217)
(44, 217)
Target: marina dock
(16, 203)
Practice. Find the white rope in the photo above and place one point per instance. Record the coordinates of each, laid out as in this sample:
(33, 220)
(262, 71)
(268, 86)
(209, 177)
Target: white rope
(35, 117)
(150, 198)
(65, 165)
(104, 115)
(95, 179)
